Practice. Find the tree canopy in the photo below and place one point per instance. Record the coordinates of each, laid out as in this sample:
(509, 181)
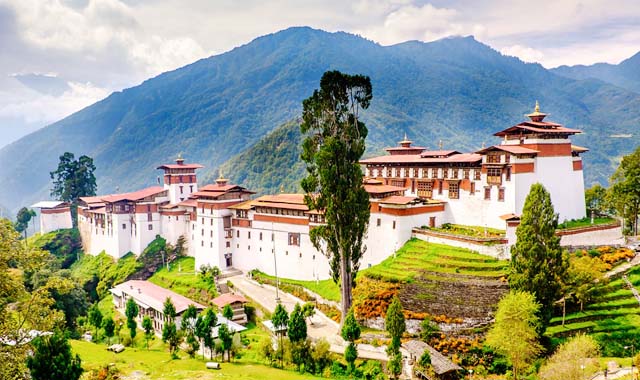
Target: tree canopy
(334, 143)
(573, 360)
(23, 218)
(73, 179)
(297, 328)
(625, 189)
(514, 332)
(131, 312)
(52, 359)
(537, 263)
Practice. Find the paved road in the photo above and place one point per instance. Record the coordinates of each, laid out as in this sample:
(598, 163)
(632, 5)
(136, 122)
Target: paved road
(322, 327)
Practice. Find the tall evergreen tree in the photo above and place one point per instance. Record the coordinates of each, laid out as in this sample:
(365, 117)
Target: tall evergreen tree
(225, 334)
(280, 320)
(334, 144)
(297, 329)
(188, 327)
(52, 359)
(147, 326)
(350, 332)
(95, 318)
(394, 324)
(109, 327)
(537, 262)
(22, 220)
(73, 179)
(205, 330)
(131, 311)
(625, 190)
(170, 333)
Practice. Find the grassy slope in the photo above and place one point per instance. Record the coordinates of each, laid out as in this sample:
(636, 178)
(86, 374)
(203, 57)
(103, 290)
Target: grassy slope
(182, 279)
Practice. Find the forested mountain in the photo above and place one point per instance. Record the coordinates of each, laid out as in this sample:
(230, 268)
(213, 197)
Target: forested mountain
(626, 74)
(455, 89)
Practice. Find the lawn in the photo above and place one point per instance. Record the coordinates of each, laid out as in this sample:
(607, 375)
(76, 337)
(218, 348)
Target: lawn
(584, 222)
(326, 289)
(182, 279)
(156, 364)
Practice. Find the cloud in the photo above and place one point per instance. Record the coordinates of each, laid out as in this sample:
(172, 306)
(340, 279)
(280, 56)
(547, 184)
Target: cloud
(526, 54)
(38, 108)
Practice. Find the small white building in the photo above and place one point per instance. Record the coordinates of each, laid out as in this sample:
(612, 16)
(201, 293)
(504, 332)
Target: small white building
(54, 215)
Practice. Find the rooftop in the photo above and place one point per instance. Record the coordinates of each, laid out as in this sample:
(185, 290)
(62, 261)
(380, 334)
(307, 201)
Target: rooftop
(152, 295)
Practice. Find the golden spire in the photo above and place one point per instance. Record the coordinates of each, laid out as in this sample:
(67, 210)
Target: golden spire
(440, 145)
(281, 188)
(536, 115)
(483, 145)
(405, 136)
(180, 160)
(220, 175)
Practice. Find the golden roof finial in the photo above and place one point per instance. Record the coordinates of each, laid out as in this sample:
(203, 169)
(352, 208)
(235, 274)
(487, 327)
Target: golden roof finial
(281, 188)
(440, 145)
(180, 156)
(405, 136)
(537, 109)
(483, 145)
(220, 175)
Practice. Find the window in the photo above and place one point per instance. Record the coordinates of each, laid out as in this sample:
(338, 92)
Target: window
(455, 173)
(425, 189)
(472, 189)
(445, 173)
(211, 245)
(181, 189)
(494, 175)
(228, 244)
(202, 232)
(203, 217)
(507, 158)
(191, 188)
(454, 190)
(378, 222)
(501, 194)
(294, 239)
(394, 224)
(465, 173)
(273, 236)
(507, 173)
(149, 217)
(237, 233)
(150, 227)
(493, 158)
(487, 193)
(249, 234)
(202, 243)
(124, 226)
(212, 222)
(397, 182)
(260, 236)
(440, 187)
(211, 233)
(476, 174)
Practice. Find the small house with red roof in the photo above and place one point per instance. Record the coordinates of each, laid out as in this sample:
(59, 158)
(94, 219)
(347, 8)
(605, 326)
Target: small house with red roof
(236, 302)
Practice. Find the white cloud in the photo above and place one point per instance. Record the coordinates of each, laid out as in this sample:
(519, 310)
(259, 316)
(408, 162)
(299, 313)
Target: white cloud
(37, 108)
(526, 54)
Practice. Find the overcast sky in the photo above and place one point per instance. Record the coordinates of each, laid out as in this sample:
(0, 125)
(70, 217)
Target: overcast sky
(58, 56)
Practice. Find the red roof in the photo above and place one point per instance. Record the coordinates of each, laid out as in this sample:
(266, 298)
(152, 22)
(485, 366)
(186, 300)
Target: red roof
(538, 127)
(398, 200)
(153, 296)
(513, 149)
(286, 201)
(228, 298)
(179, 166)
(189, 203)
(438, 153)
(417, 159)
(379, 189)
(215, 190)
(135, 195)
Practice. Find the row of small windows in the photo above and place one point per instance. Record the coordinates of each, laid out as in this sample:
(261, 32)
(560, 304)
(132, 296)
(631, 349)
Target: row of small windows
(453, 173)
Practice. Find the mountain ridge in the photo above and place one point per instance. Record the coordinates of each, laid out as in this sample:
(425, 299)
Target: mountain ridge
(457, 90)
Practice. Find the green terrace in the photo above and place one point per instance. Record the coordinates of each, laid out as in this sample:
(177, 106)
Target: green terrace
(182, 278)
(613, 317)
(420, 258)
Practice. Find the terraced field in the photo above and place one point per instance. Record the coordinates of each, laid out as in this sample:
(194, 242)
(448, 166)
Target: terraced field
(613, 319)
(444, 280)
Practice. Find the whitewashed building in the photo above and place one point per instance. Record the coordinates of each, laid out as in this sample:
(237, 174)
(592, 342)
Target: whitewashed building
(410, 187)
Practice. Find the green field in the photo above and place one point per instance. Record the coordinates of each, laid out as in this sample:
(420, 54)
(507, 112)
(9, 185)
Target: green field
(156, 364)
(326, 289)
(182, 279)
(584, 222)
(471, 231)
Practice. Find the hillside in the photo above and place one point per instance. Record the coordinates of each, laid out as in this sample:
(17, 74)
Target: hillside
(626, 74)
(455, 89)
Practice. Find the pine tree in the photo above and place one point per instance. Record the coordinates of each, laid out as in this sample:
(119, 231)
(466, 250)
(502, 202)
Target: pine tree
(395, 325)
(147, 326)
(280, 320)
(350, 332)
(170, 331)
(227, 312)
(109, 327)
(334, 144)
(297, 329)
(73, 179)
(95, 318)
(537, 262)
(52, 359)
(131, 312)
